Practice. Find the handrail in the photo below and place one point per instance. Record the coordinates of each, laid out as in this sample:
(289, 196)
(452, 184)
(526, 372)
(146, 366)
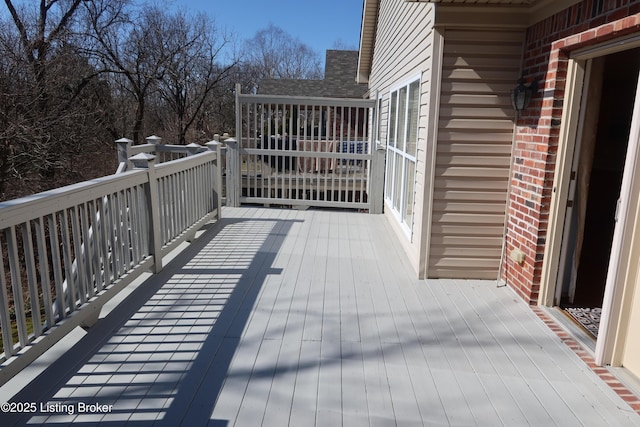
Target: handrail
(306, 100)
(154, 146)
(78, 246)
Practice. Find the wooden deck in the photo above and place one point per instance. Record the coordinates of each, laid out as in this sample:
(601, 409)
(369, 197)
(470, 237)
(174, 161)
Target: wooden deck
(303, 318)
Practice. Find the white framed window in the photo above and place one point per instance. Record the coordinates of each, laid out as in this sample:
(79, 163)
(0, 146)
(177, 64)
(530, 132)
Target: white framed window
(402, 144)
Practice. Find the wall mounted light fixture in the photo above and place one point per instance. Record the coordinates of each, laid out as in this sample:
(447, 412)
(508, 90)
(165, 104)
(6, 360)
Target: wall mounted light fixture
(521, 95)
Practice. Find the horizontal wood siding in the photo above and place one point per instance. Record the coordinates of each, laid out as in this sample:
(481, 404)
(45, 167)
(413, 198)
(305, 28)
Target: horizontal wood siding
(473, 152)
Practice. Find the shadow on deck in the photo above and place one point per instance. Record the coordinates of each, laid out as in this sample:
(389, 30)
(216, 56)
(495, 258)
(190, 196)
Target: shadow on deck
(148, 357)
(283, 317)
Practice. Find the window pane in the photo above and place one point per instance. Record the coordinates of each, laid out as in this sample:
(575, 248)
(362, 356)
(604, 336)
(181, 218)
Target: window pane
(397, 181)
(391, 135)
(412, 130)
(409, 177)
(388, 182)
(402, 115)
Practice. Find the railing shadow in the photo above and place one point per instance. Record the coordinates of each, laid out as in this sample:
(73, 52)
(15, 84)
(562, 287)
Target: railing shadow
(145, 362)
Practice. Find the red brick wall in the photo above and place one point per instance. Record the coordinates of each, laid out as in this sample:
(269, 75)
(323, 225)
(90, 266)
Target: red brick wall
(548, 46)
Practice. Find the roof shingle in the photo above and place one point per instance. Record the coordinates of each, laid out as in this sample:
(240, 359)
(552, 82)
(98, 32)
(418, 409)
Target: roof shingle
(339, 80)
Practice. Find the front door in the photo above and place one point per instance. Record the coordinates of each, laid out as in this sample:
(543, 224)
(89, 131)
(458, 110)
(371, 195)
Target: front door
(598, 166)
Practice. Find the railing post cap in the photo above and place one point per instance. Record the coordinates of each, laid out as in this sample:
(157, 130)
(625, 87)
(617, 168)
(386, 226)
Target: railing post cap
(124, 141)
(142, 160)
(153, 139)
(212, 143)
(193, 148)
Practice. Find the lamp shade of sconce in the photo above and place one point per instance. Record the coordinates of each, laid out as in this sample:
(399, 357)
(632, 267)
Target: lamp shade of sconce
(517, 255)
(521, 95)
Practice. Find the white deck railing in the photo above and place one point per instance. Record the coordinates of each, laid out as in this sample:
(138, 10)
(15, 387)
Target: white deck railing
(67, 251)
(304, 151)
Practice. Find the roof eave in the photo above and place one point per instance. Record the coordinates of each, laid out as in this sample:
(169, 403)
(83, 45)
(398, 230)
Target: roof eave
(528, 12)
(367, 38)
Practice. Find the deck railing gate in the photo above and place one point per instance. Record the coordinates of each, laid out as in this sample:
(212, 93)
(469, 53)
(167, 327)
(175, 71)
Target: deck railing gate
(303, 151)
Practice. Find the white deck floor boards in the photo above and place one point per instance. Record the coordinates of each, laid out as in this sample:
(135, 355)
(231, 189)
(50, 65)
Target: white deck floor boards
(314, 318)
